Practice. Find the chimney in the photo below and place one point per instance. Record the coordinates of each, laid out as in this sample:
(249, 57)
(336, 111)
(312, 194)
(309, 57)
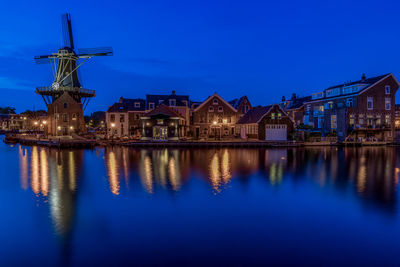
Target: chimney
(121, 99)
(294, 97)
(363, 77)
(283, 98)
(173, 92)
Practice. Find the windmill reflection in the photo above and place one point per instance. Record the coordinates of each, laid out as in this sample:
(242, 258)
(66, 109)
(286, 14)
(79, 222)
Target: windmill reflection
(53, 176)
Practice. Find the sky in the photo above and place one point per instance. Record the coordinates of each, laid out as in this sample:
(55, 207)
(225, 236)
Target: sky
(262, 49)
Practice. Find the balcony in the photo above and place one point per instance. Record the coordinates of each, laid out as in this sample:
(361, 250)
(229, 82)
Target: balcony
(48, 90)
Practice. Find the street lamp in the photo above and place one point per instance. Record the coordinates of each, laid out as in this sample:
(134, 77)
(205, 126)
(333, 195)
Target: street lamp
(112, 130)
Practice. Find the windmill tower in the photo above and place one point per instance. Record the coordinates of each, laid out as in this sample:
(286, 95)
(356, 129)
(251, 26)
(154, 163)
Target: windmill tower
(65, 98)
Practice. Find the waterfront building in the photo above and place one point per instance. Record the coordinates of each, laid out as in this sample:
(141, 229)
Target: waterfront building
(162, 123)
(270, 123)
(179, 103)
(123, 119)
(363, 109)
(214, 118)
(295, 109)
(242, 105)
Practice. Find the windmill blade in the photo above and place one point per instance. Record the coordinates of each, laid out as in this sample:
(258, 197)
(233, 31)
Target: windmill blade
(95, 52)
(43, 59)
(67, 30)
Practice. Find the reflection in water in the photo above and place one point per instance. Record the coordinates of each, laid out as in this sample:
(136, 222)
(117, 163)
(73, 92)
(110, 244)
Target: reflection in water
(53, 175)
(371, 172)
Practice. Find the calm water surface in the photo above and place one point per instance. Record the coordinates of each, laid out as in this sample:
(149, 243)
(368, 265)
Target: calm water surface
(197, 207)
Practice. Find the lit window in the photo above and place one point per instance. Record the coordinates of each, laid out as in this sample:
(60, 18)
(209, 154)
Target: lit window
(370, 103)
(387, 89)
(387, 119)
(273, 116)
(279, 116)
(387, 103)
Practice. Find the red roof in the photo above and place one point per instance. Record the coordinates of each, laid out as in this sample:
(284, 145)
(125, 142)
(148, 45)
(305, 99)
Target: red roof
(163, 110)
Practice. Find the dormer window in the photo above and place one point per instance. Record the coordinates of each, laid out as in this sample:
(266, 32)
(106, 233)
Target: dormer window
(220, 109)
(273, 116)
(151, 105)
(387, 89)
(172, 102)
(211, 109)
(215, 101)
(137, 105)
(65, 105)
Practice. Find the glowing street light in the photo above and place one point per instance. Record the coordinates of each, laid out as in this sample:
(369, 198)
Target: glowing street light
(44, 122)
(113, 125)
(214, 122)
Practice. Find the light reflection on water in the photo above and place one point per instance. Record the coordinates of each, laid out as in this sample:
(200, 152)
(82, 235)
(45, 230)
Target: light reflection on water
(371, 174)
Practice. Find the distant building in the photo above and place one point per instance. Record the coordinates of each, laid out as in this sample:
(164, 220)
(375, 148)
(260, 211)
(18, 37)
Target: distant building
(270, 123)
(360, 109)
(124, 117)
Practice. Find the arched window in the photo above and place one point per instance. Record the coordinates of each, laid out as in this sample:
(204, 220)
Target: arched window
(65, 105)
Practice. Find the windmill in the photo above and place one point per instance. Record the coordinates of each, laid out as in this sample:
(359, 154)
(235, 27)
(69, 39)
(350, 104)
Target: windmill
(64, 65)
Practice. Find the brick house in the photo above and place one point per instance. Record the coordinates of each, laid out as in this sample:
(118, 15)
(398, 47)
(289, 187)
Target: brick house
(269, 123)
(361, 109)
(123, 117)
(214, 118)
(65, 116)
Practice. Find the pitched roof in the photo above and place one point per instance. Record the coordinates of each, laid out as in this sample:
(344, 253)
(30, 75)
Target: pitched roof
(181, 100)
(218, 96)
(367, 81)
(236, 102)
(162, 110)
(298, 102)
(125, 105)
(254, 115)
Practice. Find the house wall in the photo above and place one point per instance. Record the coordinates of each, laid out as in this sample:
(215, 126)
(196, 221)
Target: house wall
(268, 120)
(225, 120)
(65, 119)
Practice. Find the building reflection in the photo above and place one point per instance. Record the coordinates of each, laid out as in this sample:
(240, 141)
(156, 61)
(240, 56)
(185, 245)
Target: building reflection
(52, 176)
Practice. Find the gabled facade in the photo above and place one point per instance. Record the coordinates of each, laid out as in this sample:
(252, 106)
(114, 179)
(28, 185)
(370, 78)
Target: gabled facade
(295, 109)
(214, 118)
(362, 109)
(242, 105)
(269, 123)
(123, 117)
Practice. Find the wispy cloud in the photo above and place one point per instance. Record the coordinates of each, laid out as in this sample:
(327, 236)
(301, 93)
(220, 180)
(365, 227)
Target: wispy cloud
(13, 83)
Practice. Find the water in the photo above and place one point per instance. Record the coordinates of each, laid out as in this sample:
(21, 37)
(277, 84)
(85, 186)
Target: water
(199, 207)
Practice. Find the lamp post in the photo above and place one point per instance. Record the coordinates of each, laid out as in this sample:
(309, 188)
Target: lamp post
(215, 129)
(45, 127)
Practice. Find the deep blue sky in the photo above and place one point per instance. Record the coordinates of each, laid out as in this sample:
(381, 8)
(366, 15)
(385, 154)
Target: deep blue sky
(259, 48)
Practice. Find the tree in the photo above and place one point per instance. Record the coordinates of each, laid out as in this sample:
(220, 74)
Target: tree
(7, 110)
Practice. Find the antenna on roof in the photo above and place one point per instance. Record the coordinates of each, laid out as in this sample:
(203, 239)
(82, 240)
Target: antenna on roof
(363, 77)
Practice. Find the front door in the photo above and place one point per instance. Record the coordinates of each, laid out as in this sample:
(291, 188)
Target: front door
(160, 133)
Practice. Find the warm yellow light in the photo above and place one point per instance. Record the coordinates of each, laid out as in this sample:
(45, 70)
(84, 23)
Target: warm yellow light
(214, 122)
(113, 125)
(59, 128)
(71, 127)
(225, 120)
(36, 123)
(44, 122)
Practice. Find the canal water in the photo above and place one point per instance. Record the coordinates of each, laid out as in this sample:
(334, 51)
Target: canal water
(224, 206)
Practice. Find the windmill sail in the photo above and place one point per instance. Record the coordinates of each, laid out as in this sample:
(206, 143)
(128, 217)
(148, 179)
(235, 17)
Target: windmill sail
(95, 52)
(67, 31)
